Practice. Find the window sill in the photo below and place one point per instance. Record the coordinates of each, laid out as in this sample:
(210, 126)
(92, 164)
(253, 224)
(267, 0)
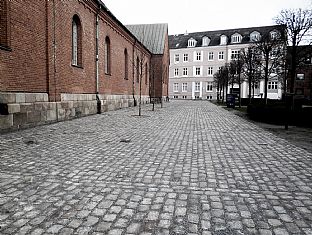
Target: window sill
(77, 66)
(5, 48)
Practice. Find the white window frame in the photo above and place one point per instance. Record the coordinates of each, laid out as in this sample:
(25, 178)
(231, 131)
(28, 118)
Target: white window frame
(191, 42)
(235, 54)
(223, 40)
(184, 87)
(175, 87)
(176, 58)
(255, 36)
(209, 87)
(197, 68)
(205, 41)
(185, 57)
(198, 55)
(176, 72)
(210, 71)
(210, 55)
(236, 38)
(185, 72)
(197, 87)
(272, 85)
(221, 55)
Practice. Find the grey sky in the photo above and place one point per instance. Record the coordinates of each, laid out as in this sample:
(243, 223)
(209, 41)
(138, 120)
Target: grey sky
(201, 15)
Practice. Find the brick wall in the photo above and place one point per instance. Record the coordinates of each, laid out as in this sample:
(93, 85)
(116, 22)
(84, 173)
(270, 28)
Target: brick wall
(24, 67)
(39, 62)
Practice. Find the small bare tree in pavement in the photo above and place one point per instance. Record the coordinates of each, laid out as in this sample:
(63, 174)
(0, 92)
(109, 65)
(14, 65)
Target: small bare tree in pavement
(298, 24)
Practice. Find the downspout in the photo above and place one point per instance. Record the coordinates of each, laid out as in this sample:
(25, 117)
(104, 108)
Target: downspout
(133, 68)
(98, 101)
(54, 58)
(47, 50)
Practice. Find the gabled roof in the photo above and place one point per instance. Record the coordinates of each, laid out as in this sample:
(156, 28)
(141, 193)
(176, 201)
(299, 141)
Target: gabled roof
(152, 36)
(180, 41)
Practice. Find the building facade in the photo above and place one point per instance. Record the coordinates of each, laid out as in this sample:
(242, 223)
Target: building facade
(67, 59)
(196, 57)
(155, 38)
(303, 79)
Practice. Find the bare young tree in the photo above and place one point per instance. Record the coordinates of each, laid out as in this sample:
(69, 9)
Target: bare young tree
(299, 24)
(251, 66)
(235, 70)
(221, 81)
(272, 47)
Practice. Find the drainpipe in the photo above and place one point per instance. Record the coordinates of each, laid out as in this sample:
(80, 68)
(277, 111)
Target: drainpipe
(98, 101)
(54, 58)
(133, 69)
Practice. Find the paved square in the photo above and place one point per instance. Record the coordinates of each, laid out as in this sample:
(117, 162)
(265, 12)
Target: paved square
(188, 168)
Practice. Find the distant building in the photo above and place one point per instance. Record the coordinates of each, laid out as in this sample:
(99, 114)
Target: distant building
(155, 38)
(196, 57)
(303, 80)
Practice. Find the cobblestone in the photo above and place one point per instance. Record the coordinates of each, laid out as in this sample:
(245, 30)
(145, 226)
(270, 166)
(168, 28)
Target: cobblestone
(188, 168)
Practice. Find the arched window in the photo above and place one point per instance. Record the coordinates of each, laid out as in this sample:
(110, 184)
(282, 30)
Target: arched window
(126, 64)
(255, 36)
(191, 42)
(4, 23)
(138, 69)
(76, 41)
(107, 59)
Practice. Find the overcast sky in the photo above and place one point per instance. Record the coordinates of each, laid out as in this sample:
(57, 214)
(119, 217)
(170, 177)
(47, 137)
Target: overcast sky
(201, 15)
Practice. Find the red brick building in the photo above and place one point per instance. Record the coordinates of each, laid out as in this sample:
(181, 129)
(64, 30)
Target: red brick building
(65, 59)
(303, 79)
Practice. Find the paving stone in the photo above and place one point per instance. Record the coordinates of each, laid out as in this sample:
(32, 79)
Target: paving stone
(190, 168)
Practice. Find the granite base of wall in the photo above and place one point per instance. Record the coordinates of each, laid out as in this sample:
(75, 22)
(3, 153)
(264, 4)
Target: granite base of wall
(23, 110)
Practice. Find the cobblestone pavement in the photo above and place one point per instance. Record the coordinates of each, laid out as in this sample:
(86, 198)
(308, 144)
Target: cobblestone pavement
(188, 168)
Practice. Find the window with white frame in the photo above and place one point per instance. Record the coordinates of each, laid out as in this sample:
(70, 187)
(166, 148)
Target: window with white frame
(274, 35)
(185, 57)
(300, 76)
(236, 38)
(184, 97)
(197, 86)
(209, 86)
(184, 87)
(176, 58)
(210, 55)
(255, 36)
(175, 87)
(197, 71)
(176, 72)
(198, 56)
(235, 54)
(221, 55)
(210, 71)
(272, 85)
(191, 42)
(206, 41)
(223, 40)
(185, 71)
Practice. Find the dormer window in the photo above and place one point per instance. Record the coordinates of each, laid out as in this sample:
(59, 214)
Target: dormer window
(236, 38)
(274, 35)
(255, 36)
(223, 40)
(206, 41)
(191, 42)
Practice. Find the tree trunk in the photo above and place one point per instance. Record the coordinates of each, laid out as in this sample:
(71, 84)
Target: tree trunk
(293, 65)
(266, 78)
(239, 88)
